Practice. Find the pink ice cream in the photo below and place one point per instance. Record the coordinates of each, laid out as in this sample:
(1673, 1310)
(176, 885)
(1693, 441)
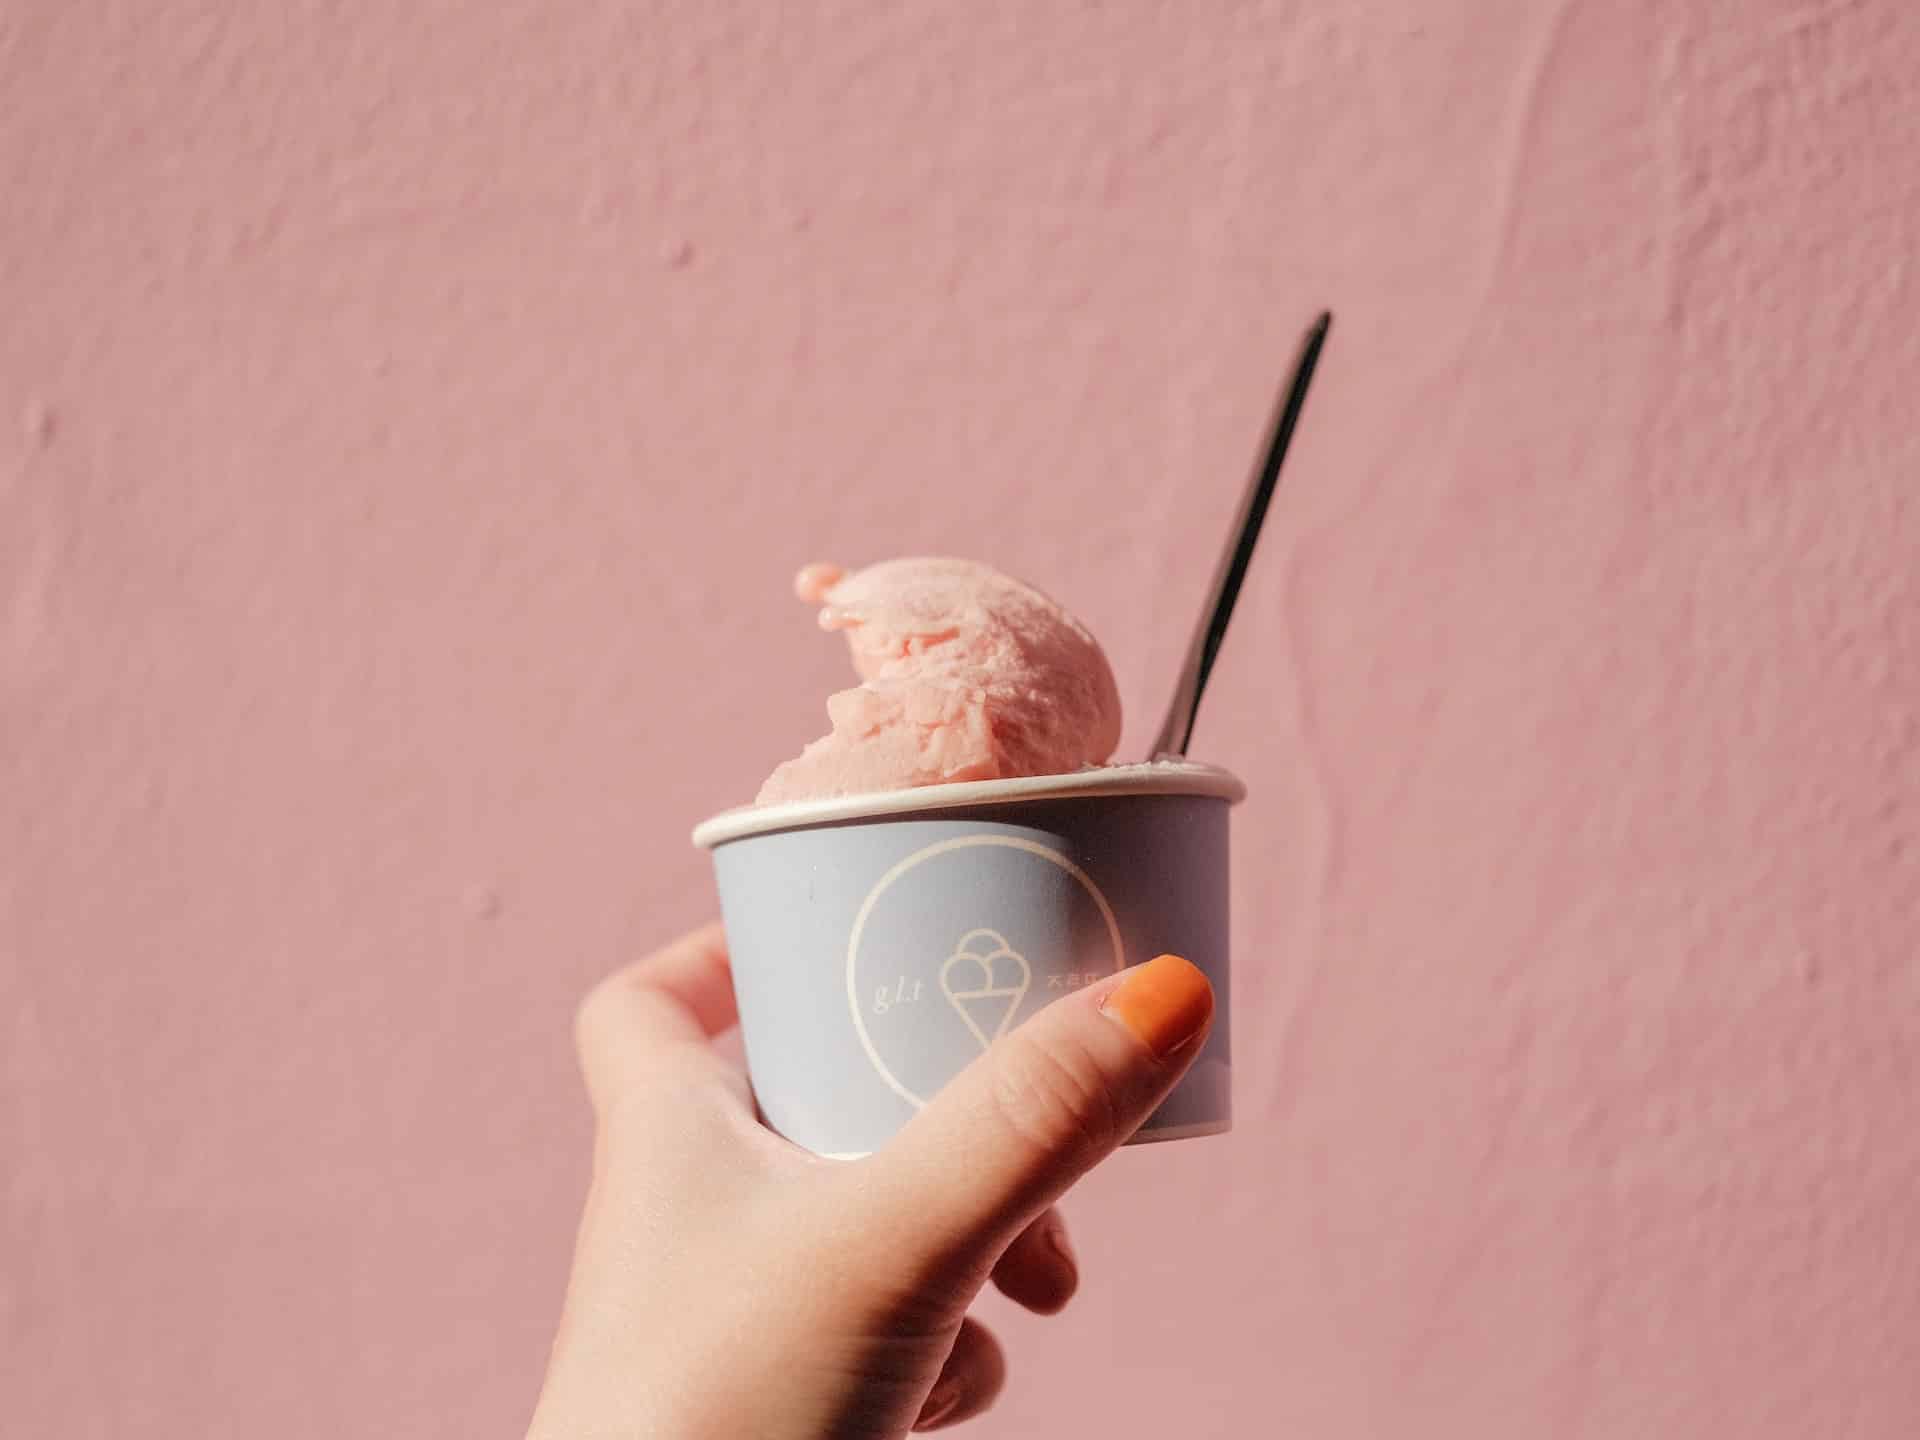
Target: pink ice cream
(966, 674)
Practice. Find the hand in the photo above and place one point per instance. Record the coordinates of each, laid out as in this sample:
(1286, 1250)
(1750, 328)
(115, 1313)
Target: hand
(728, 1284)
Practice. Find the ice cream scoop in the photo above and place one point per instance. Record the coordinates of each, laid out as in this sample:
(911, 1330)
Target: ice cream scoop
(966, 674)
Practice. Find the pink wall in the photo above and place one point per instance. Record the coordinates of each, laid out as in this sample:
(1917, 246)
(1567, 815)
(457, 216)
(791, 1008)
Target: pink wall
(412, 412)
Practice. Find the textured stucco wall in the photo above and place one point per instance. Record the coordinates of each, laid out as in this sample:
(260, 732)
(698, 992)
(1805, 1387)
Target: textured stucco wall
(409, 415)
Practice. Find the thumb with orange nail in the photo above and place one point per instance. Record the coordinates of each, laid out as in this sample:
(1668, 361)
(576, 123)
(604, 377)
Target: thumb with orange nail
(727, 1283)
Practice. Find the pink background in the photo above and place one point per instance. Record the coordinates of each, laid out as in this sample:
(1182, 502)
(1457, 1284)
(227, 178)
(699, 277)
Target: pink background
(410, 414)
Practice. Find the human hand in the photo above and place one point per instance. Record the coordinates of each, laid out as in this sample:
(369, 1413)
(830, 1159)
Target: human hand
(728, 1284)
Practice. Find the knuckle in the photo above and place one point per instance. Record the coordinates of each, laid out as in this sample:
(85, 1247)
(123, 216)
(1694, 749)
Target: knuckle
(1056, 1098)
(588, 1015)
(662, 1112)
(630, 1124)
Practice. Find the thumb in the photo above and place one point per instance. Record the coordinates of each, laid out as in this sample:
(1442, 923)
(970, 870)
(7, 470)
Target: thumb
(1043, 1106)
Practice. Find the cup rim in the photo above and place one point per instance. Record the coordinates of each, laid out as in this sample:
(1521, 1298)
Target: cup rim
(1146, 777)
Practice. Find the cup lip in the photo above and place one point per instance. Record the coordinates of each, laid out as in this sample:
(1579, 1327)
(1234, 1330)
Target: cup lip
(1145, 777)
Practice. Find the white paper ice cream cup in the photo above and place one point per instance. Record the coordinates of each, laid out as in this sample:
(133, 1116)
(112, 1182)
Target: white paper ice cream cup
(881, 942)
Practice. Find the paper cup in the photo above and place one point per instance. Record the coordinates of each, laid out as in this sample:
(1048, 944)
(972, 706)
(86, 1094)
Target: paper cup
(881, 942)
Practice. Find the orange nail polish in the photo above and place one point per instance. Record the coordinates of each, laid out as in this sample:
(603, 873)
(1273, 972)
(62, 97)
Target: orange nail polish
(1165, 1002)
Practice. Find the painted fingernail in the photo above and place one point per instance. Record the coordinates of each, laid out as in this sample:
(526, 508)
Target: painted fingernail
(1165, 1003)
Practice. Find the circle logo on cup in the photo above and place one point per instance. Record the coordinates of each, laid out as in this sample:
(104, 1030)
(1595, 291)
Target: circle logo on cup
(963, 940)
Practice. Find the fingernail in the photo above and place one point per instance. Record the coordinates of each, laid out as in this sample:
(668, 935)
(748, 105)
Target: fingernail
(940, 1402)
(1164, 1002)
(1057, 1241)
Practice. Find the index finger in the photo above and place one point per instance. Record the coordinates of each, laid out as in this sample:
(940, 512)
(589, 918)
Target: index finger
(679, 996)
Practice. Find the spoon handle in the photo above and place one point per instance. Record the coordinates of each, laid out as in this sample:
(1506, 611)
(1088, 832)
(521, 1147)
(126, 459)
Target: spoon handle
(1177, 729)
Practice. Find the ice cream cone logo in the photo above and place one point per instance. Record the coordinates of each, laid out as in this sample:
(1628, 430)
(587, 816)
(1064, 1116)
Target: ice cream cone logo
(985, 979)
(1056, 933)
